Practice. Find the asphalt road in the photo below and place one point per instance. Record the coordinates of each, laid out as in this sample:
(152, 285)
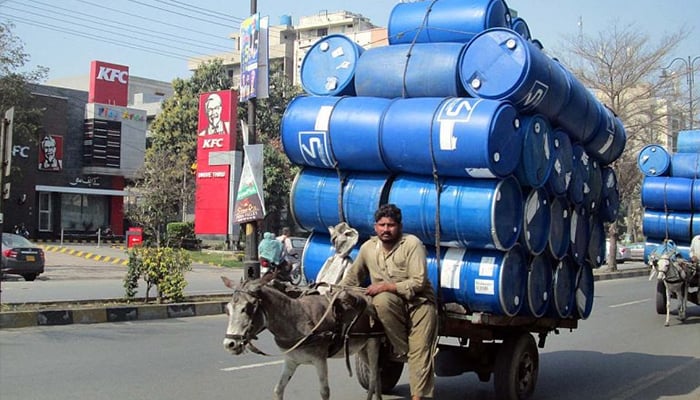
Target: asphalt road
(621, 352)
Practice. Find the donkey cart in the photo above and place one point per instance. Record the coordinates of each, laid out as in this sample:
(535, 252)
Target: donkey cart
(486, 344)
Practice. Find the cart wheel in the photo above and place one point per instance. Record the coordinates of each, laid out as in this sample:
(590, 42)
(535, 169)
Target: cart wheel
(660, 298)
(389, 372)
(516, 367)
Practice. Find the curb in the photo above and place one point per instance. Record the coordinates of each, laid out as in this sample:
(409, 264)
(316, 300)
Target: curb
(93, 315)
(85, 254)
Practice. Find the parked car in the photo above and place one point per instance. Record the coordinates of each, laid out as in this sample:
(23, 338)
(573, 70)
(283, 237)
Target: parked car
(21, 257)
(298, 244)
(623, 253)
(636, 251)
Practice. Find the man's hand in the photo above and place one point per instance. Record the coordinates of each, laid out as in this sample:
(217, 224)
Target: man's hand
(376, 288)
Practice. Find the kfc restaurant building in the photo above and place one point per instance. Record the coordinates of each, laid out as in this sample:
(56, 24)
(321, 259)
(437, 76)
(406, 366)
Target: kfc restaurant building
(70, 177)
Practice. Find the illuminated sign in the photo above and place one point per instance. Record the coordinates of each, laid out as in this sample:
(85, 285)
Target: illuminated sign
(109, 83)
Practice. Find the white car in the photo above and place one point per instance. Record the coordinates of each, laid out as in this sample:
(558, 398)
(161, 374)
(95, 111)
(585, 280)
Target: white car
(623, 253)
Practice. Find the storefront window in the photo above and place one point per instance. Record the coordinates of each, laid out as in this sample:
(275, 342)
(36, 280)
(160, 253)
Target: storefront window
(84, 213)
(45, 212)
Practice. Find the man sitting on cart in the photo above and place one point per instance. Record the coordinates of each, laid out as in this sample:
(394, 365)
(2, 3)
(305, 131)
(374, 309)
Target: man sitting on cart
(401, 295)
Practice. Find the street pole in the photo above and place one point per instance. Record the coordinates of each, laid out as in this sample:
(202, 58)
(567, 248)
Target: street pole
(689, 64)
(250, 264)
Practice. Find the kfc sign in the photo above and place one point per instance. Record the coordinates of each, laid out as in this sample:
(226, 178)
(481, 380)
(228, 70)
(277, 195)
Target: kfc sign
(109, 84)
(112, 75)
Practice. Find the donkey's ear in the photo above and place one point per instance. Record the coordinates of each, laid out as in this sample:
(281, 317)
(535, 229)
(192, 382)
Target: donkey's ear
(653, 273)
(227, 282)
(331, 230)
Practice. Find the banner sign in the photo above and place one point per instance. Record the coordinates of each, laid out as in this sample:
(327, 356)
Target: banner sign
(250, 205)
(250, 41)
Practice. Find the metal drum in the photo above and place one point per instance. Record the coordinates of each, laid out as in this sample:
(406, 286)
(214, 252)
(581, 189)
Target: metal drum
(315, 195)
(538, 288)
(482, 280)
(334, 132)
(537, 158)
(400, 71)
(500, 64)
(317, 250)
(562, 166)
(559, 227)
(445, 20)
(654, 160)
(669, 193)
(459, 137)
(584, 292)
(534, 234)
(329, 66)
(478, 213)
(685, 165)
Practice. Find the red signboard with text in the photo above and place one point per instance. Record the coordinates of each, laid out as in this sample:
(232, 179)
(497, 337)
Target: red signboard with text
(109, 84)
(216, 132)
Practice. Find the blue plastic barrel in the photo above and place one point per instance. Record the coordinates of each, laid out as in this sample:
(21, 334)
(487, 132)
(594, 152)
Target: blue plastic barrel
(329, 66)
(579, 236)
(317, 250)
(538, 287)
(559, 227)
(584, 292)
(685, 165)
(592, 196)
(580, 114)
(654, 160)
(315, 195)
(445, 20)
(696, 195)
(609, 140)
(400, 71)
(460, 137)
(688, 141)
(596, 242)
(520, 25)
(500, 64)
(478, 213)
(562, 165)
(537, 158)
(534, 234)
(334, 132)
(652, 244)
(657, 224)
(610, 196)
(563, 288)
(668, 193)
(489, 281)
(580, 175)
(695, 225)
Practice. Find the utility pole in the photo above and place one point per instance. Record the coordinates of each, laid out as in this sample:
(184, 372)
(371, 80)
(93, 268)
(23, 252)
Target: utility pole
(5, 163)
(251, 264)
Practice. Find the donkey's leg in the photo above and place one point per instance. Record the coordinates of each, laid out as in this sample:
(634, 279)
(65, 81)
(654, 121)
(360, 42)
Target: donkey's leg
(668, 304)
(683, 298)
(370, 356)
(287, 373)
(321, 364)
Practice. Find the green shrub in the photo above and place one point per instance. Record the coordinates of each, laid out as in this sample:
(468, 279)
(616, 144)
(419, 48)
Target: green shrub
(181, 235)
(160, 267)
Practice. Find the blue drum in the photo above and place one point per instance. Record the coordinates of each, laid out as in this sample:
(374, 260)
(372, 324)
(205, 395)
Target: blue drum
(562, 167)
(654, 160)
(610, 196)
(669, 193)
(537, 158)
(609, 140)
(445, 20)
(580, 114)
(584, 292)
(520, 25)
(657, 224)
(538, 289)
(400, 71)
(559, 228)
(685, 165)
(500, 64)
(580, 175)
(489, 281)
(596, 242)
(580, 234)
(477, 213)
(534, 235)
(563, 288)
(592, 197)
(329, 66)
(688, 141)
(459, 137)
(317, 250)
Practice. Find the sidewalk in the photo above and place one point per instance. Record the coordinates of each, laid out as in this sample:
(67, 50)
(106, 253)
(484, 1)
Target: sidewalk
(87, 312)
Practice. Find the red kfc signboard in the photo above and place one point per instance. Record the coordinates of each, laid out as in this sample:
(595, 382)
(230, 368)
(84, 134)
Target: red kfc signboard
(216, 133)
(109, 84)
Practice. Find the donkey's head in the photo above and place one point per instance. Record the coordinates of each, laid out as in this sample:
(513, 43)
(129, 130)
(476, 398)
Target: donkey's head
(245, 316)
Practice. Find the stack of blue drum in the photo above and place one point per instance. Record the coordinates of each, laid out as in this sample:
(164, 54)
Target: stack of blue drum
(671, 192)
(496, 154)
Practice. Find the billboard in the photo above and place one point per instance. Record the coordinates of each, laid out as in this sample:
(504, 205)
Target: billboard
(109, 84)
(215, 133)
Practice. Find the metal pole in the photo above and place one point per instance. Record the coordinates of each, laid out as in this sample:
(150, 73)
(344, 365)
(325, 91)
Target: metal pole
(252, 268)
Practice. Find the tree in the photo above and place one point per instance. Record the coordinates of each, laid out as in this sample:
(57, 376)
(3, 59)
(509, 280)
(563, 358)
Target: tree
(623, 67)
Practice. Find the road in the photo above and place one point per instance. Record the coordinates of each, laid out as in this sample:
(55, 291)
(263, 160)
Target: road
(621, 352)
(69, 277)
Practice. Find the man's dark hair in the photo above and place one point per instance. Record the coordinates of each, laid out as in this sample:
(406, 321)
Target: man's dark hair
(388, 211)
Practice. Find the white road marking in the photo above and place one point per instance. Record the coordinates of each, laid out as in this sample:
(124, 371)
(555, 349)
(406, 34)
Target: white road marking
(643, 383)
(252, 366)
(629, 303)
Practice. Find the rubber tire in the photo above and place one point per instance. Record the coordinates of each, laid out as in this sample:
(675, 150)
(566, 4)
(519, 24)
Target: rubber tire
(516, 368)
(660, 298)
(295, 276)
(390, 373)
(29, 277)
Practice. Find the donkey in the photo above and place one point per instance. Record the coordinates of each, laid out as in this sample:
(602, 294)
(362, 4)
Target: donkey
(675, 273)
(308, 329)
